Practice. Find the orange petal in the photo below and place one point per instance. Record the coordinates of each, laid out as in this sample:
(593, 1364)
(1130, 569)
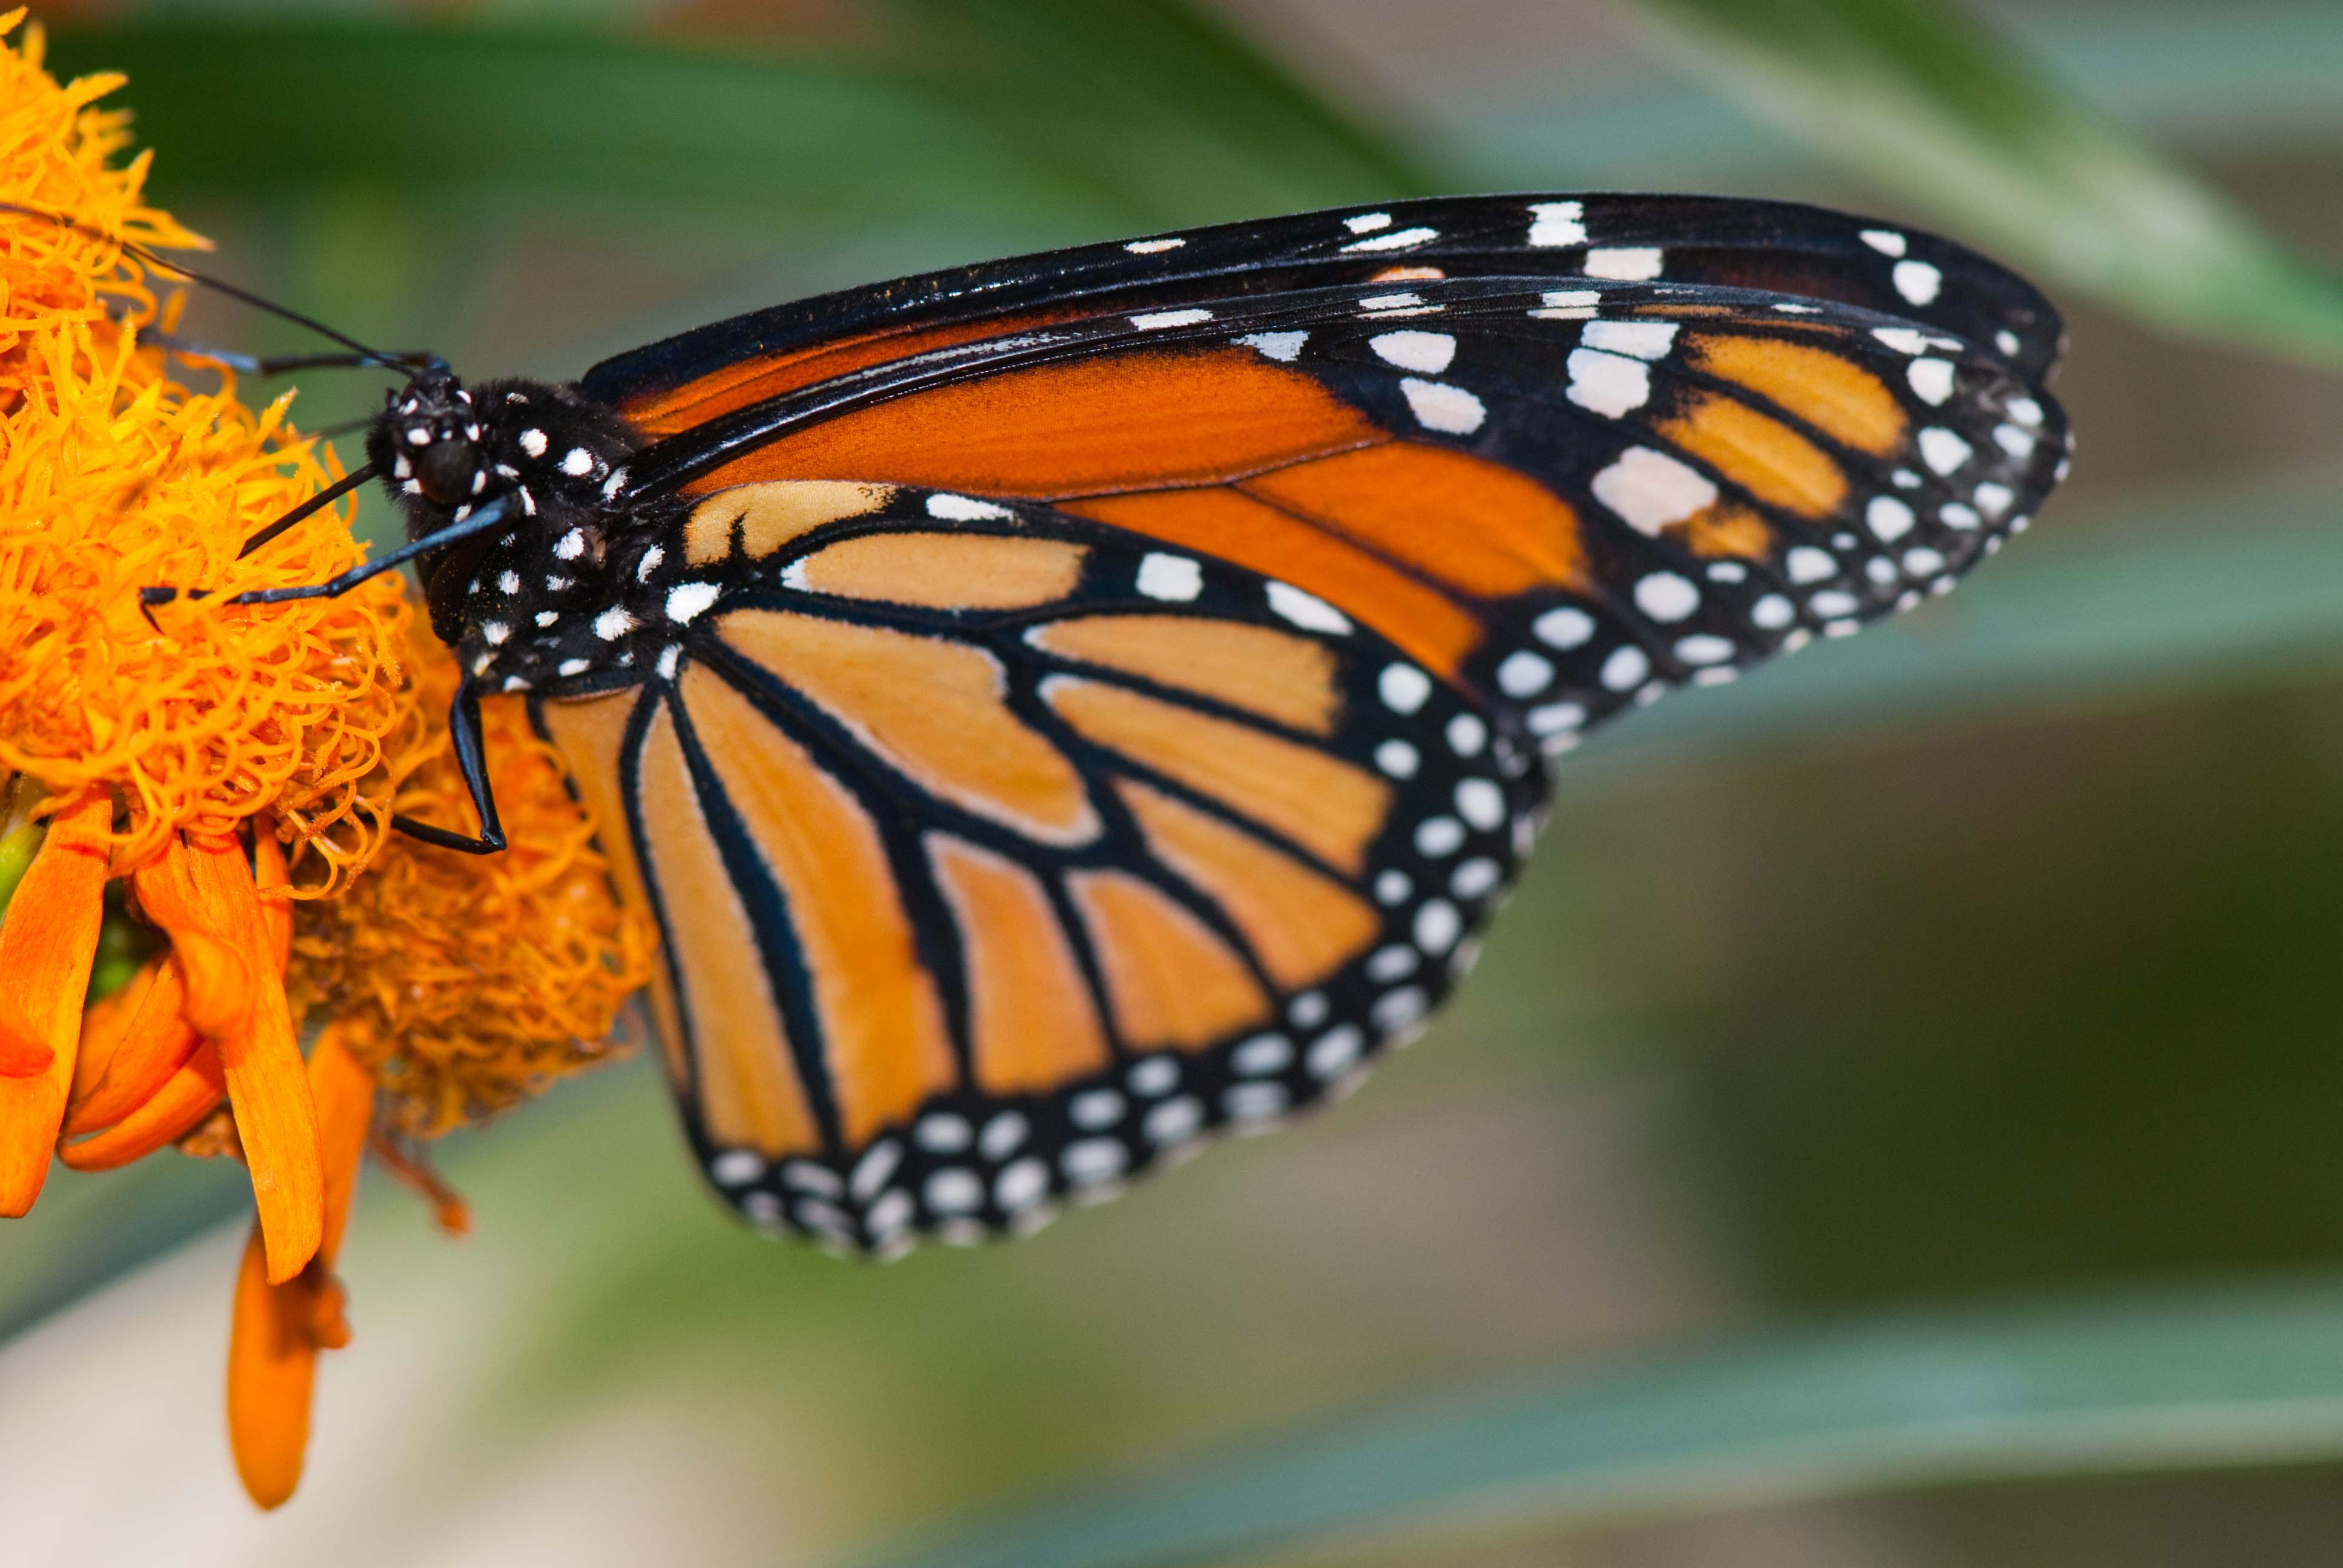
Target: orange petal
(170, 1113)
(46, 942)
(272, 1357)
(276, 1114)
(22, 1053)
(156, 1041)
(272, 1365)
(273, 885)
(104, 1022)
(343, 1088)
(218, 983)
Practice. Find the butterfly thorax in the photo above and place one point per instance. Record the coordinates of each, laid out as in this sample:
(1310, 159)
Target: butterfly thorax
(548, 597)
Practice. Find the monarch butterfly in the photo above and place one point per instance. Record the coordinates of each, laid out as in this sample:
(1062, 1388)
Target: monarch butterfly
(1060, 708)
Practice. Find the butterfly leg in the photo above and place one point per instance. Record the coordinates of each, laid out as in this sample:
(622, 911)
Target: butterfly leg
(471, 760)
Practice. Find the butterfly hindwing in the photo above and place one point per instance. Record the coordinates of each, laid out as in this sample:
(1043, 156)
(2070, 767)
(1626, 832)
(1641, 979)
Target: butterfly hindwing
(989, 884)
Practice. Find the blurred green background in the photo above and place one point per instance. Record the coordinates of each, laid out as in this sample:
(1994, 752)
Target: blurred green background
(1896, 1122)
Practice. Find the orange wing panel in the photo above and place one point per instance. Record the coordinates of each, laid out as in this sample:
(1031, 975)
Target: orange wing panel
(1030, 1017)
(747, 1080)
(1479, 527)
(1273, 673)
(883, 1026)
(934, 710)
(591, 734)
(753, 380)
(1759, 453)
(1320, 803)
(1169, 980)
(1433, 629)
(1302, 926)
(1138, 421)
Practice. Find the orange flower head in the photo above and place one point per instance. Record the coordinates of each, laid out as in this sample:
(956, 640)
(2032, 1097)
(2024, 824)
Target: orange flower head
(236, 769)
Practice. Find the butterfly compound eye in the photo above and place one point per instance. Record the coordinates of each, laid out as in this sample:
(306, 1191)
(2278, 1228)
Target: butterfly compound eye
(445, 469)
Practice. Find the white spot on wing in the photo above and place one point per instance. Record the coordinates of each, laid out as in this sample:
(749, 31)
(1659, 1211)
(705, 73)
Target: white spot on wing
(1610, 384)
(1640, 339)
(1149, 247)
(1440, 407)
(1918, 281)
(1306, 610)
(1367, 222)
(1557, 222)
(1943, 450)
(1885, 241)
(954, 509)
(1627, 264)
(1398, 240)
(1285, 347)
(1173, 578)
(1931, 379)
(1429, 352)
(1403, 687)
(1156, 320)
(1650, 489)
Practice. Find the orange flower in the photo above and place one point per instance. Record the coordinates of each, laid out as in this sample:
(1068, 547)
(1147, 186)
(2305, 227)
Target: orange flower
(236, 769)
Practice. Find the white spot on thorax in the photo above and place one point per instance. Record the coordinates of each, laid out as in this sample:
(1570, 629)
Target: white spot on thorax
(532, 441)
(649, 563)
(686, 600)
(569, 546)
(613, 623)
(508, 580)
(577, 462)
(495, 633)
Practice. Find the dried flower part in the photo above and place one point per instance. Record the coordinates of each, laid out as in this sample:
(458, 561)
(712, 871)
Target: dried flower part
(113, 479)
(470, 983)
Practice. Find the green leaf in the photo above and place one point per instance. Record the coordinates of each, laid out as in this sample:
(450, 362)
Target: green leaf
(1920, 95)
(2143, 1382)
(991, 114)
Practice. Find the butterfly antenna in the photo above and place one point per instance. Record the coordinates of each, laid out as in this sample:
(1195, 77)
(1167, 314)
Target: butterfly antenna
(218, 284)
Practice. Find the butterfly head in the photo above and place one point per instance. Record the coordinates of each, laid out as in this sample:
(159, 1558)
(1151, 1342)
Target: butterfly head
(517, 596)
(428, 439)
